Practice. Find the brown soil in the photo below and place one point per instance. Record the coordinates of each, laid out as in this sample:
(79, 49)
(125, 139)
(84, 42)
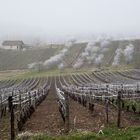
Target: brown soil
(47, 117)
(4, 128)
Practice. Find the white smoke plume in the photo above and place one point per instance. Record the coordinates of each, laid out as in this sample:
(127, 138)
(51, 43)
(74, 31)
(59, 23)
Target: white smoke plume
(70, 42)
(36, 65)
(58, 58)
(98, 60)
(104, 43)
(55, 60)
(86, 54)
(93, 53)
(128, 52)
(89, 47)
(61, 66)
(91, 58)
(118, 54)
(78, 63)
(32, 65)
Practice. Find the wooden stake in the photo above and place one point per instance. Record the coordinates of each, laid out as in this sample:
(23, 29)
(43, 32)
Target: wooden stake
(67, 113)
(12, 118)
(119, 109)
(29, 96)
(107, 120)
(1, 106)
(19, 100)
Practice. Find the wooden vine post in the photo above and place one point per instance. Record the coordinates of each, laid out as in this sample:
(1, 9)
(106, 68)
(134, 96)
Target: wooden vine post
(106, 104)
(67, 113)
(20, 100)
(35, 100)
(106, 109)
(12, 118)
(29, 96)
(119, 109)
(1, 106)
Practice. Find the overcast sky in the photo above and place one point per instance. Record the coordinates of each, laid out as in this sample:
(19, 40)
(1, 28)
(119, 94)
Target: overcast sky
(69, 17)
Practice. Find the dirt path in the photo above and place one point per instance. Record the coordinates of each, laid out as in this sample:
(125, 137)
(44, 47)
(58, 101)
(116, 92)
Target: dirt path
(46, 118)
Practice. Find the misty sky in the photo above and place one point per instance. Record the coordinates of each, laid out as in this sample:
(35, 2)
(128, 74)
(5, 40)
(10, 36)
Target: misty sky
(69, 17)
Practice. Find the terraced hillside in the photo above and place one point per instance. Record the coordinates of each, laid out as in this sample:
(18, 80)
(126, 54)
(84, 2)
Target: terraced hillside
(136, 55)
(74, 53)
(10, 60)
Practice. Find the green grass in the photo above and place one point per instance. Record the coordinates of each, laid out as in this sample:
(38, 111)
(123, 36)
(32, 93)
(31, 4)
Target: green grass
(110, 133)
(132, 102)
(54, 72)
(32, 73)
(12, 74)
(18, 74)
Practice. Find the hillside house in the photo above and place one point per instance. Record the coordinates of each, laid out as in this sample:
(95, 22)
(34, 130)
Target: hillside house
(13, 45)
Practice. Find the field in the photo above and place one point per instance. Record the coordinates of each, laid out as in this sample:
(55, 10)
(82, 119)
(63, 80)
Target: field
(50, 104)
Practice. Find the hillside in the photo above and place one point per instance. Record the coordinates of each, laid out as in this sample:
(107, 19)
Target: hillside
(11, 60)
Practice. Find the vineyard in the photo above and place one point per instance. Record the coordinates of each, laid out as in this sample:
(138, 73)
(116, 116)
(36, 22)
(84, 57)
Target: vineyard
(60, 104)
(69, 70)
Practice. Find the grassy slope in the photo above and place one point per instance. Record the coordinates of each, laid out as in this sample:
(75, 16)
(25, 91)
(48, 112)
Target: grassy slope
(17, 74)
(110, 133)
(26, 73)
(12, 74)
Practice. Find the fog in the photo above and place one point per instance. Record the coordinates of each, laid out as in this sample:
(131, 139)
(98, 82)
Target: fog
(60, 19)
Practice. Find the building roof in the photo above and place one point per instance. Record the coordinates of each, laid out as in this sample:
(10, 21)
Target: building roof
(12, 43)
